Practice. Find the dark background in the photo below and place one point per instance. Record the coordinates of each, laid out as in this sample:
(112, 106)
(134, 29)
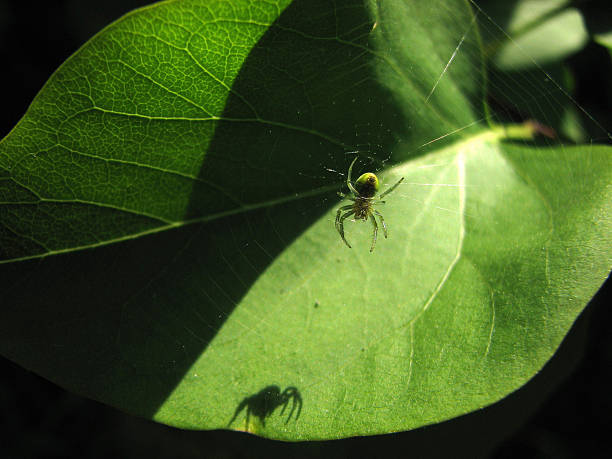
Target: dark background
(563, 412)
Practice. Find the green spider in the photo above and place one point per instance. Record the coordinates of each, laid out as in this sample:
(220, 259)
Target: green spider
(364, 190)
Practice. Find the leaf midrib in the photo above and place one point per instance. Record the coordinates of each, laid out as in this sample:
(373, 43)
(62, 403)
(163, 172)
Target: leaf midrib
(494, 134)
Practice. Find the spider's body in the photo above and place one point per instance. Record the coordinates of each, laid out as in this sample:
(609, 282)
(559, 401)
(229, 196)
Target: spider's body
(366, 185)
(364, 192)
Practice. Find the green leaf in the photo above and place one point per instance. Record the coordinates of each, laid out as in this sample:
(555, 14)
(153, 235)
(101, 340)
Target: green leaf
(604, 39)
(597, 19)
(167, 222)
(538, 33)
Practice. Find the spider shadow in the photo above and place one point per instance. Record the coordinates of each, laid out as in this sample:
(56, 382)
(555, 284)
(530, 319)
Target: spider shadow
(263, 404)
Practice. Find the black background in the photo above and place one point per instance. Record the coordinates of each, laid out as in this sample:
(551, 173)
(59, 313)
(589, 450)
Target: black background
(564, 412)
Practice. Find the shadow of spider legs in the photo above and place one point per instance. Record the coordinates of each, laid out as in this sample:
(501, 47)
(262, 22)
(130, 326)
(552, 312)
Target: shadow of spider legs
(263, 403)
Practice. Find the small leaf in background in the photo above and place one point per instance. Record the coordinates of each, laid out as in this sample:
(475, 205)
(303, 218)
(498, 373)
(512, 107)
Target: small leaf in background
(604, 39)
(532, 33)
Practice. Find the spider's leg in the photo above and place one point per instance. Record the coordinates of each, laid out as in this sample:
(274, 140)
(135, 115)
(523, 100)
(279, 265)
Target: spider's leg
(293, 400)
(338, 215)
(391, 189)
(286, 396)
(248, 417)
(296, 402)
(298, 399)
(375, 233)
(284, 399)
(243, 404)
(348, 178)
(346, 196)
(382, 220)
(340, 225)
(285, 403)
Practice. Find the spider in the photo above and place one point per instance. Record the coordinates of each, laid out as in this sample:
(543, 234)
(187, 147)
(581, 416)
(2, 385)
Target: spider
(363, 191)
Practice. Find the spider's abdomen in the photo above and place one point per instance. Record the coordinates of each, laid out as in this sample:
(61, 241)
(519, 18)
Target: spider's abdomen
(367, 185)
